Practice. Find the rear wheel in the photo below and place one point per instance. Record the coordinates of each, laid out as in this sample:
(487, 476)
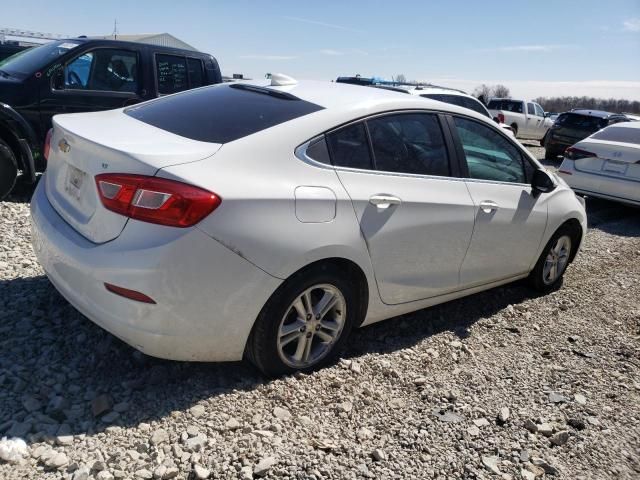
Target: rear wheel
(304, 324)
(549, 270)
(8, 170)
(514, 126)
(550, 154)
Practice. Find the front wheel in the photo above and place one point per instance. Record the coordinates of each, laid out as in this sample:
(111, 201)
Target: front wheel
(549, 270)
(8, 170)
(304, 324)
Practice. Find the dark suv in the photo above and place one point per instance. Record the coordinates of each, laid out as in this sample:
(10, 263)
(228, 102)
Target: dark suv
(571, 127)
(82, 75)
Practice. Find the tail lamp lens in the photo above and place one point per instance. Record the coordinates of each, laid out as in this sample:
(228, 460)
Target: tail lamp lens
(155, 200)
(573, 153)
(501, 118)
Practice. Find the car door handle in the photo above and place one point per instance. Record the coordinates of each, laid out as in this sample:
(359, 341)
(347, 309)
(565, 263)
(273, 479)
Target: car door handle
(383, 201)
(488, 206)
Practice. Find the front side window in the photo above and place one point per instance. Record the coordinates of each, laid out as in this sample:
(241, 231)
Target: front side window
(409, 143)
(489, 155)
(539, 110)
(172, 74)
(349, 147)
(104, 69)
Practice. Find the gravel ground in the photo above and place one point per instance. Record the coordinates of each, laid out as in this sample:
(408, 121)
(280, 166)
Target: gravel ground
(502, 384)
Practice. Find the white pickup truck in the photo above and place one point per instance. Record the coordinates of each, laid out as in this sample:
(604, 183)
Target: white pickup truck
(525, 117)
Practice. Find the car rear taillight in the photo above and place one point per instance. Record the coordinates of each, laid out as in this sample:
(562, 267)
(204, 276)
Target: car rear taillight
(155, 200)
(501, 117)
(47, 144)
(573, 153)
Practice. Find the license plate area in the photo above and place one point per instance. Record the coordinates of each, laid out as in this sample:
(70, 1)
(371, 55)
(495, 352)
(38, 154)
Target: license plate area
(74, 181)
(619, 168)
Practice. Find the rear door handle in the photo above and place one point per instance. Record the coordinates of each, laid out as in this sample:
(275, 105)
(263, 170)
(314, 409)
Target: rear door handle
(383, 201)
(488, 206)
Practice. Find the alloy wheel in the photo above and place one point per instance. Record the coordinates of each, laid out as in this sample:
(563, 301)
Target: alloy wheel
(311, 325)
(557, 260)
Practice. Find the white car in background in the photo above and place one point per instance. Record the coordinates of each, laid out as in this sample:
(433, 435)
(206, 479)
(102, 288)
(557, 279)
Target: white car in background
(606, 164)
(448, 95)
(267, 221)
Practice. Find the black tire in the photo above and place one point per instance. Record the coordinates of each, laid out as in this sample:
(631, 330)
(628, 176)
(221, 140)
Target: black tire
(543, 140)
(537, 276)
(514, 126)
(262, 345)
(8, 170)
(550, 154)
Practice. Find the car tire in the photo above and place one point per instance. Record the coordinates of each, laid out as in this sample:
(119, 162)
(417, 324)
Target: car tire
(548, 273)
(550, 154)
(514, 126)
(8, 170)
(543, 140)
(278, 341)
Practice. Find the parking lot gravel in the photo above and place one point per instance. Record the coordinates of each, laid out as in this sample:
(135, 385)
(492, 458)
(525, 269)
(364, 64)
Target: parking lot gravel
(503, 384)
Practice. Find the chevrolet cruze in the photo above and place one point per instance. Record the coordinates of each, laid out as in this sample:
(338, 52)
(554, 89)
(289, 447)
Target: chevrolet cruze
(268, 221)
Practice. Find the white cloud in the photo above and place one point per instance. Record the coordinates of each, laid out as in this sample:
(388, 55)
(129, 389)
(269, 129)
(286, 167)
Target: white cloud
(350, 51)
(323, 24)
(527, 48)
(529, 89)
(274, 58)
(631, 25)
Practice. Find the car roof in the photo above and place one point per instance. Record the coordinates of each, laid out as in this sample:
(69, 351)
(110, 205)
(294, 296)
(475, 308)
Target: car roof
(423, 89)
(138, 45)
(593, 113)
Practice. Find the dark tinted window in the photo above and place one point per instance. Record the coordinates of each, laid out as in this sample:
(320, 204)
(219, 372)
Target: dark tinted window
(409, 143)
(507, 105)
(461, 101)
(196, 75)
(581, 122)
(349, 147)
(618, 134)
(104, 69)
(318, 151)
(33, 59)
(222, 113)
(172, 74)
(489, 155)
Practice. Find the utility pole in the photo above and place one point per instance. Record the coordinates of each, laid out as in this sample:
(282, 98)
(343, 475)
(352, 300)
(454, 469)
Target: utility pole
(115, 28)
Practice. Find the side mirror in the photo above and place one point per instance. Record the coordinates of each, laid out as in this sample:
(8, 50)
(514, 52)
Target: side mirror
(542, 182)
(547, 114)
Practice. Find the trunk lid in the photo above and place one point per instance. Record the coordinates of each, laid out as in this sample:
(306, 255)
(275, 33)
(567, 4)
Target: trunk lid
(613, 159)
(85, 145)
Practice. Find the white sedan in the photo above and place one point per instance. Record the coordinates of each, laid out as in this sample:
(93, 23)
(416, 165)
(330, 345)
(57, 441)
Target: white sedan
(267, 221)
(606, 164)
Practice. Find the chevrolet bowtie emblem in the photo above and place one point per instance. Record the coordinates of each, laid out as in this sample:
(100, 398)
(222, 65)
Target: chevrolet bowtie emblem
(64, 146)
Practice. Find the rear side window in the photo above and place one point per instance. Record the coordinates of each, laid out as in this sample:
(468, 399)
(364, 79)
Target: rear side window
(461, 101)
(581, 122)
(409, 143)
(222, 113)
(507, 105)
(619, 134)
(318, 151)
(196, 72)
(531, 110)
(172, 74)
(349, 147)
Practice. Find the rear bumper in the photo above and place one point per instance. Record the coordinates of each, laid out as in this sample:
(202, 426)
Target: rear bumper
(207, 296)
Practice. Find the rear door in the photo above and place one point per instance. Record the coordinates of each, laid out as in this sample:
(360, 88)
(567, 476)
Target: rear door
(509, 220)
(416, 218)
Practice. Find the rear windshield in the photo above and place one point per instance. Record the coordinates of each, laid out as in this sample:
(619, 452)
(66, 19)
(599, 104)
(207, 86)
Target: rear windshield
(619, 134)
(222, 113)
(581, 122)
(459, 100)
(506, 105)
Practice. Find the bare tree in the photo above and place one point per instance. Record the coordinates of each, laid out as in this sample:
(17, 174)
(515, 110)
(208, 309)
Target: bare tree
(483, 93)
(400, 78)
(500, 91)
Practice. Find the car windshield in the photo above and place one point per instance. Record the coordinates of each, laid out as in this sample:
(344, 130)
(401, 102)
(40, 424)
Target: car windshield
(28, 61)
(581, 122)
(619, 134)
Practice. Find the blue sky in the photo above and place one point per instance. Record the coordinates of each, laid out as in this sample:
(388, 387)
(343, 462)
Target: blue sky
(536, 48)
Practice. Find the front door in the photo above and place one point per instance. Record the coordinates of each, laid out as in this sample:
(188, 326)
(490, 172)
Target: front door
(509, 220)
(97, 79)
(416, 219)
